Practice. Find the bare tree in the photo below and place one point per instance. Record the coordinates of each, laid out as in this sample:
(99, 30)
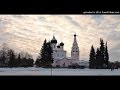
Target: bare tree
(4, 58)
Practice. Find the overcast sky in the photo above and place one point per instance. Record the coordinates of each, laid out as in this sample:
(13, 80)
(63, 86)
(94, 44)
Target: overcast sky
(27, 32)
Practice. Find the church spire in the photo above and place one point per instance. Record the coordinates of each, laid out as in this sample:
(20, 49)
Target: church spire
(75, 40)
(53, 37)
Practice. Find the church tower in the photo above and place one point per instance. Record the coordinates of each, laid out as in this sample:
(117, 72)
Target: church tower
(75, 50)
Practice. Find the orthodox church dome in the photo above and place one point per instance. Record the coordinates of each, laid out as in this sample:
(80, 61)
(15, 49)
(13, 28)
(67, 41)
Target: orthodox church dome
(61, 44)
(53, 40)
(58, 46)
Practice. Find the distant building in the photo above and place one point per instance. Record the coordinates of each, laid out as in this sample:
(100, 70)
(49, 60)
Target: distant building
(84, 63)
(59, 54)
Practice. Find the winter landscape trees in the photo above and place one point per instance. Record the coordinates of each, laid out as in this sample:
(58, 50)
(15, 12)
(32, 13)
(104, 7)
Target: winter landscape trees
(9, 58)
(100, 58)
(92, 62)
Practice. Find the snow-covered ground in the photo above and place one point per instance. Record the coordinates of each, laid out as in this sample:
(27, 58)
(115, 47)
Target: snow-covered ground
(60, 72)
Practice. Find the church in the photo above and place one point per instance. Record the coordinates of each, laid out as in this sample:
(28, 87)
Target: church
(59, 54)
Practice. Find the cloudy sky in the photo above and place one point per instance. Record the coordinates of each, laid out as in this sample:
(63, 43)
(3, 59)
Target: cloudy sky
(27, 32)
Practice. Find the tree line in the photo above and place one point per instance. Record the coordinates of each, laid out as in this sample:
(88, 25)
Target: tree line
(9, 58)
(100, 58)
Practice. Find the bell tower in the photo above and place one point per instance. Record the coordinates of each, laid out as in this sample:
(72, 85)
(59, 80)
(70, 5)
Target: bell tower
(75, 49)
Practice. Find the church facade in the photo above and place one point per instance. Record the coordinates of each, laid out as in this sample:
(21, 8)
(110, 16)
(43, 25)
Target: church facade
(59, 54)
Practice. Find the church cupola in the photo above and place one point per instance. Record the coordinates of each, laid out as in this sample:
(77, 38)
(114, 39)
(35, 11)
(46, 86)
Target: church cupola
(61, 44)
(74, 35)
(58, 46)
(54, 40)
(53, 43)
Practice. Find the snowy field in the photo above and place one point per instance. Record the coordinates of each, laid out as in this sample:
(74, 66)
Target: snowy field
(59, 72)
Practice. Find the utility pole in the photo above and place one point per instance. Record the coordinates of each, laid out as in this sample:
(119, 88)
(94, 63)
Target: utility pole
(51, 70)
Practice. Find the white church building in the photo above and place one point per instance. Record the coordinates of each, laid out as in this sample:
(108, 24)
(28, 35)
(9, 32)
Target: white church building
(59, 54)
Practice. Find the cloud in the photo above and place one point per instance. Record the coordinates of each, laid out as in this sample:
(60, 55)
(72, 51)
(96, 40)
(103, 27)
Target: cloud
(18, 16)
(3, 24)
(98, 18)
(114, 35)
(42, 18)
(27, 32)
(70, 19)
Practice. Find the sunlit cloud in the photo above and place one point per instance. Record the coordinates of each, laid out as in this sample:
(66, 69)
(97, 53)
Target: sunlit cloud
(27, 32)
